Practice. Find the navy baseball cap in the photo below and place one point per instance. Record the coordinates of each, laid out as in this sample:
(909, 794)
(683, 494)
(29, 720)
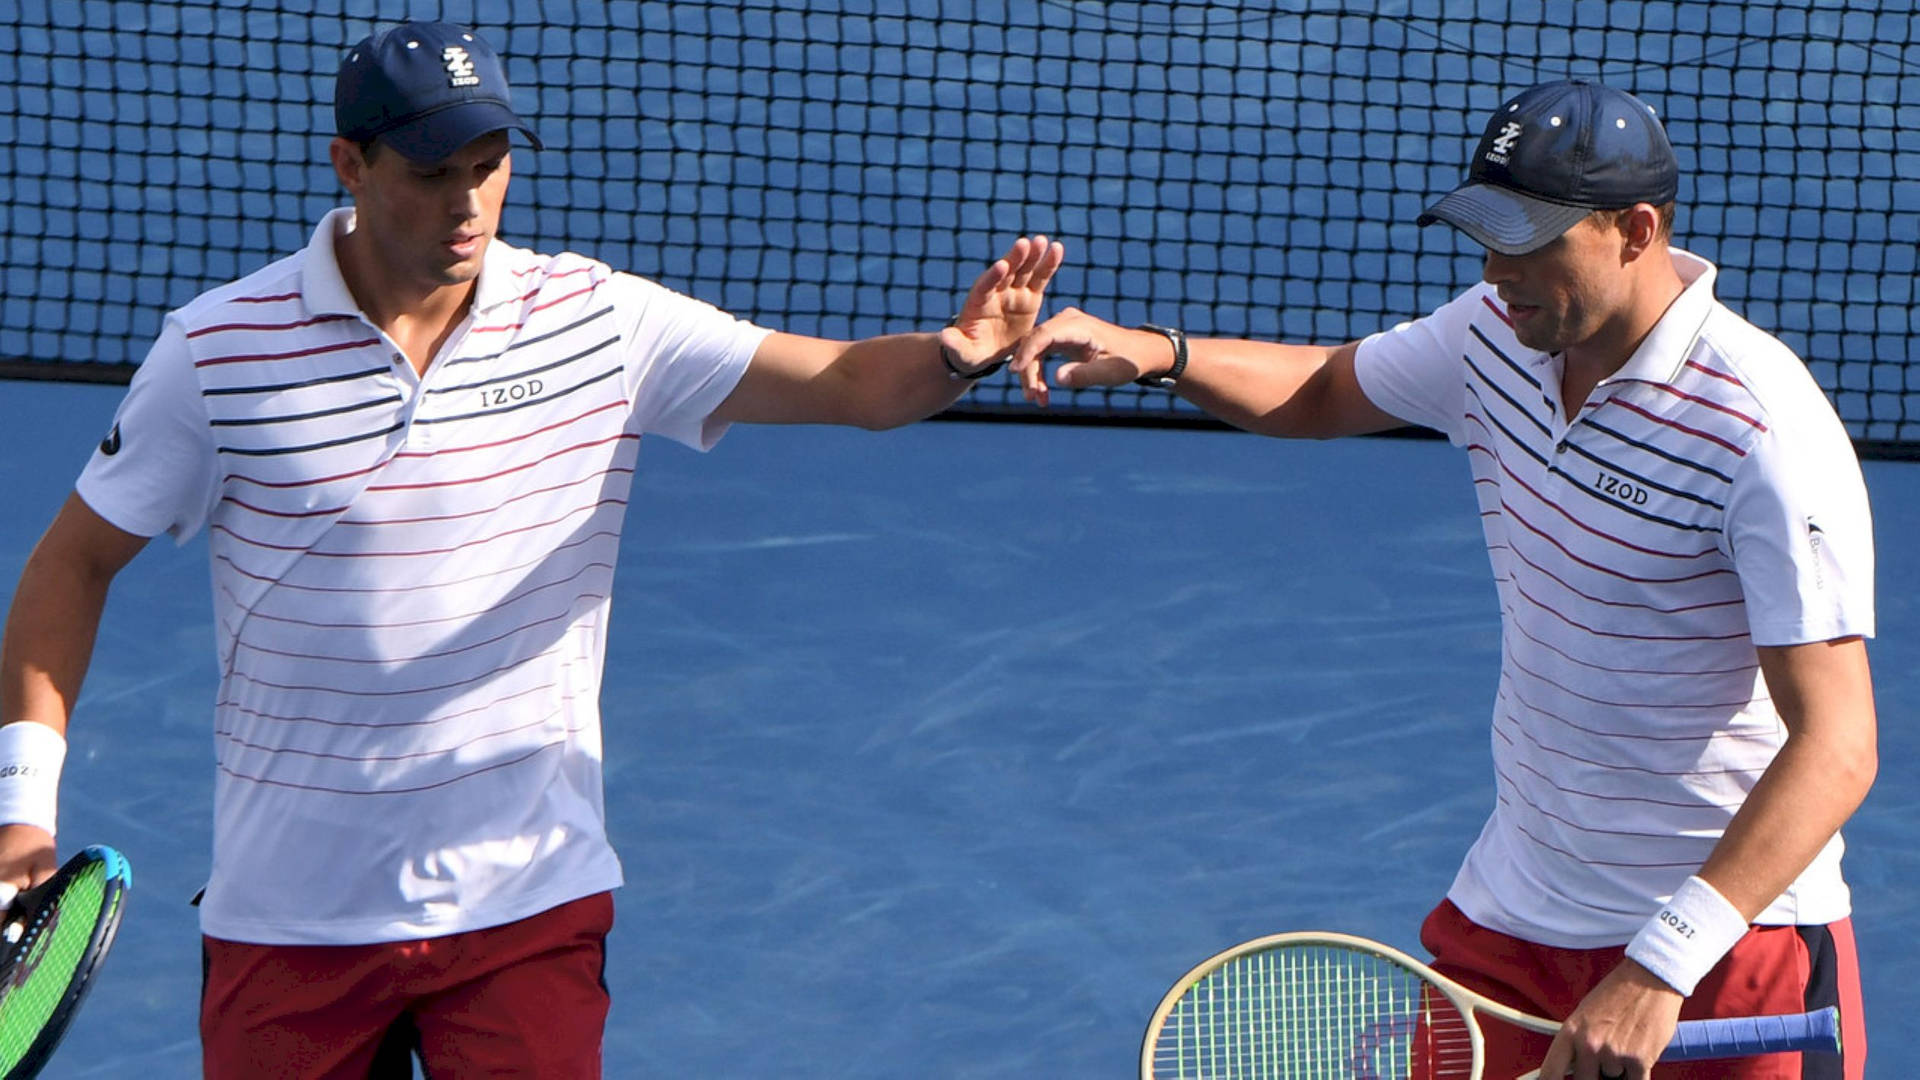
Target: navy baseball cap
(427, 88)
(1554, 155)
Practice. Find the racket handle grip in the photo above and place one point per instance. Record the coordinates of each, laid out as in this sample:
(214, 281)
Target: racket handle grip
(1736, 1037)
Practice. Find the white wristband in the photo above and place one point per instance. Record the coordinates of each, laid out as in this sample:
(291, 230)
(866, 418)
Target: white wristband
(1688, 935)
(30, 758)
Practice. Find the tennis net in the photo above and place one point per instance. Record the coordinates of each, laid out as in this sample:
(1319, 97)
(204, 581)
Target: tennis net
(844, 167)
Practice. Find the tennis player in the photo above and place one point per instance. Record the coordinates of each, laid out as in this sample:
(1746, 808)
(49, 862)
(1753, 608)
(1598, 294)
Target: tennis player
(1680, 541)
(412, 445)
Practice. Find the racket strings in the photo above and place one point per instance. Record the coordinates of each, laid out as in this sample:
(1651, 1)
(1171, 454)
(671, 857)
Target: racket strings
(1313, 1013)
(49, 959)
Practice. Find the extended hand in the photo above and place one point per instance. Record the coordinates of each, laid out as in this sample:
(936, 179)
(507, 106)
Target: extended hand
(1004, 302)
(1097, 353)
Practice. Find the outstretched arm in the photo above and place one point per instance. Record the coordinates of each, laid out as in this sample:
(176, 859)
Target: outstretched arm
(1294, 391)
(887, 381)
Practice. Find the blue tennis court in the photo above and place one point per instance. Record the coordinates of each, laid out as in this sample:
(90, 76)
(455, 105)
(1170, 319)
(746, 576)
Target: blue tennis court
(941, 752)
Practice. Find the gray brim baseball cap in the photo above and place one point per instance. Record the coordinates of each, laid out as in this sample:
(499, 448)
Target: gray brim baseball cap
(1502, 219)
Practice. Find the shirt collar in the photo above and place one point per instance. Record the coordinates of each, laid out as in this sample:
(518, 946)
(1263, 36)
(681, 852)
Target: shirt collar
(325, 289)
(322, 285)
(1664, 350)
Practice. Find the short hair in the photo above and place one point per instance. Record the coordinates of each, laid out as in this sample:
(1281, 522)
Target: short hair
(1620, 219)
(368, 148)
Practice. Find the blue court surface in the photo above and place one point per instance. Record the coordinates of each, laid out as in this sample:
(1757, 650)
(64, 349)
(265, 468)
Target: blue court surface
(942, 752)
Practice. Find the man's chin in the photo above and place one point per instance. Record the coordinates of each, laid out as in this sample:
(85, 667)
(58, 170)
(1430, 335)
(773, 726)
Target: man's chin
(1536, 338)
(464, 272)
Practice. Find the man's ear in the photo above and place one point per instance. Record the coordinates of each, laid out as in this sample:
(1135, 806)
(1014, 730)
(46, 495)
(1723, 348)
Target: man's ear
(349, 164)
(1642, 230)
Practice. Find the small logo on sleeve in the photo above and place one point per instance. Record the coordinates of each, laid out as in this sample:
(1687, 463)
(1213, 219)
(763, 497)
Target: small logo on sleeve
(1817, 543)
(111, 444)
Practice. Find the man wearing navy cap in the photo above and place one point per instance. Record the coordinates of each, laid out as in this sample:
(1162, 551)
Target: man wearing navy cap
(1683, 555)
(412, 447)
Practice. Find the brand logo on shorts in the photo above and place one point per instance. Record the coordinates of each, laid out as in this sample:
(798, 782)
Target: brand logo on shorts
(111, 444)
(1503, 143)
(459, 67)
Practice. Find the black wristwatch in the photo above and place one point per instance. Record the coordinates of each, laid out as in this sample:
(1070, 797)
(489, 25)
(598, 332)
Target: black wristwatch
(1168, 378)
(960, 374)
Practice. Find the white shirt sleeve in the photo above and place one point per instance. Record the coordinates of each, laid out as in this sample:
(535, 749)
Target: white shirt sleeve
(157, 470)
(684, 356)
(1800, 532)
(1415, 371)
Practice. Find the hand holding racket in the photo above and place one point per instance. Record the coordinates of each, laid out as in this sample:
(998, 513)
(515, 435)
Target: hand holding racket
(1335, 1005)
(51, 944)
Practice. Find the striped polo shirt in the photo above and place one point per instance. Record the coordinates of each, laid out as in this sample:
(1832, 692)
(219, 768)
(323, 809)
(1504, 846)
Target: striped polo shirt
(410, 576)
(1705, 500)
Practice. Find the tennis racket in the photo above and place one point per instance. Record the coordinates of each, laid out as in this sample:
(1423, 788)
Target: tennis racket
(53, 940)
(1345, 1008)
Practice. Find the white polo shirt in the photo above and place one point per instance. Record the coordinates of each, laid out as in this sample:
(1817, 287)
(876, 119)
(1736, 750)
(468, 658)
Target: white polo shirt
(1704, 501)
(410, 576)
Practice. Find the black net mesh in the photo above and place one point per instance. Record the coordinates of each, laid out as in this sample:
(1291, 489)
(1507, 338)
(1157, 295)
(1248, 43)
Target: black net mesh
(844, 167)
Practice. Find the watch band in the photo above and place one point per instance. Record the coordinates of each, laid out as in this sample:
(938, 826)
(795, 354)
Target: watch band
(960, 374)
(1167, 379)
(956, 372)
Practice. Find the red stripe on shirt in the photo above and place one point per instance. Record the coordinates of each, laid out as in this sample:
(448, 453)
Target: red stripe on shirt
(244, 505)
(1591, 666)
(1508, 510)
(1714, 405)
(310, 481)
(315, 321)
(247, 358)
(397, 790)
(521, 437)
(588, 479)
(1557, 508)
(505, 472)
(1742, 703)
(1596, 632)
(1590, 598)
(234, 739)
(564, 616)
(280, 583)
(313, 554)
(459, 617)
(1705, 370)
(1677, 426)
(537, 308)
(440, 718)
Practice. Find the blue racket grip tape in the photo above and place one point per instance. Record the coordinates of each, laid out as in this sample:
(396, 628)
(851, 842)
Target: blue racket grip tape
(1743, 1035)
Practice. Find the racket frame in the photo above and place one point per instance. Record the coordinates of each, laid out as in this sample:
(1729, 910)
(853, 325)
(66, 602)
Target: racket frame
(1466, 1001)
(118, 876)
(1470, 1004)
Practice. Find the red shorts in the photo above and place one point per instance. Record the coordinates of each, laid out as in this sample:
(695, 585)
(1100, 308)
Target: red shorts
(1774, 969)
(525, 999)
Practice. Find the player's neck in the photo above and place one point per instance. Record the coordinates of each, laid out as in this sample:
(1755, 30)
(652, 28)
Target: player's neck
(1607, 351)
(417, 315)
